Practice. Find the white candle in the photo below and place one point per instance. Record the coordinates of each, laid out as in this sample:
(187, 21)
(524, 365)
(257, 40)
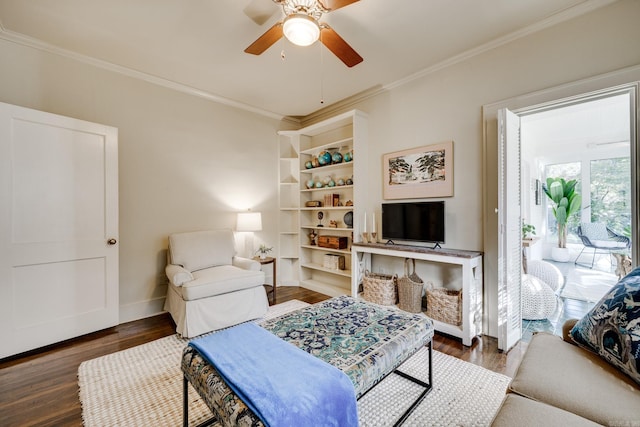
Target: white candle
(364, 225)
(373, 222)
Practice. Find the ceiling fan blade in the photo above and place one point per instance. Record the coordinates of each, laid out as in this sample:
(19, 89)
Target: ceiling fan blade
(265, 41)
(260, 11)
(331, 5)
(339, 47)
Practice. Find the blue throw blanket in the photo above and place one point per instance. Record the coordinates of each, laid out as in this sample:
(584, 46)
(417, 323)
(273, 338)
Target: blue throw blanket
(282, 384)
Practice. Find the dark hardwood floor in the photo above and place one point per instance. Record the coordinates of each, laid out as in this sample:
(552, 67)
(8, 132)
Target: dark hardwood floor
(40, 388)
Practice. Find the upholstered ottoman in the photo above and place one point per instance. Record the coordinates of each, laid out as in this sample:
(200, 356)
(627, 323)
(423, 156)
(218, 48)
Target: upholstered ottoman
(364, 340)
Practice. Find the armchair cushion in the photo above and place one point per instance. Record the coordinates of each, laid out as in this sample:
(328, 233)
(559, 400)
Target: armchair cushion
(220, 280)
(178, 275)
(202, 249)
(246, 263)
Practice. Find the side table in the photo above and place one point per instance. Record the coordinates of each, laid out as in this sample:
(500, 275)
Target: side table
(271, 289)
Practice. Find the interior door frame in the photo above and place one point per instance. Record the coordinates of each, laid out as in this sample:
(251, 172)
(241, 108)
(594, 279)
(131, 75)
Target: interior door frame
(626, 79)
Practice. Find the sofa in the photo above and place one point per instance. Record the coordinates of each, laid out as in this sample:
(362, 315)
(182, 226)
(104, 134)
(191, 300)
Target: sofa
(587, 377)
(210, 287)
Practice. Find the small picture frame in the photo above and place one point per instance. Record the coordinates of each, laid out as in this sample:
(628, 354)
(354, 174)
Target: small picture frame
(420, 172)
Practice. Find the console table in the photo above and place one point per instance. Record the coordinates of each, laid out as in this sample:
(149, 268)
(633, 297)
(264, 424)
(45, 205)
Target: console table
(469, 261)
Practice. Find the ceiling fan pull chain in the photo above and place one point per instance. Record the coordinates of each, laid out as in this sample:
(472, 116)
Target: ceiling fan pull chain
(321, 71)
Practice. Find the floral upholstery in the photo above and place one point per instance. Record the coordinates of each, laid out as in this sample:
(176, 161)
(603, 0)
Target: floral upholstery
(364, 340)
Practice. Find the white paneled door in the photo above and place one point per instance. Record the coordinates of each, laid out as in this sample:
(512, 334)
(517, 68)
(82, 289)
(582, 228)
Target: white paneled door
(510, 223)
(58, 228)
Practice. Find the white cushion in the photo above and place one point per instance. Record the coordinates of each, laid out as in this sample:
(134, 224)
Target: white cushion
(178, 275)
(610, 244)
(220, 280)
(202, 249)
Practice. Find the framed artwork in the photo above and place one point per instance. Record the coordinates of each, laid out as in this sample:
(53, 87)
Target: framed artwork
(420, 172)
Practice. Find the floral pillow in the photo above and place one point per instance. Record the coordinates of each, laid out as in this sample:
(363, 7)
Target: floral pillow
(612, 328)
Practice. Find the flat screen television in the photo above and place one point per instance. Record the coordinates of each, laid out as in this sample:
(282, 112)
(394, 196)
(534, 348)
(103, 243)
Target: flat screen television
(413, 221)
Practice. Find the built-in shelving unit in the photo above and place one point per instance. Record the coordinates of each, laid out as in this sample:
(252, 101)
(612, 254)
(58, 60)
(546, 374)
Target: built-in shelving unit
(300, 262)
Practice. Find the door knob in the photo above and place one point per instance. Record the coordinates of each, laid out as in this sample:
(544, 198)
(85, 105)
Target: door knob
(112, 241)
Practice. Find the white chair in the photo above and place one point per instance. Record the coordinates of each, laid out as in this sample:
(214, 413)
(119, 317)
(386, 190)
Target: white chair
(210, 287)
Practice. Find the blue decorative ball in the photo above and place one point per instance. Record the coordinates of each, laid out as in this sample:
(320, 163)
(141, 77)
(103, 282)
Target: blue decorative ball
(324, 158)
(308, 164)
(336, 157)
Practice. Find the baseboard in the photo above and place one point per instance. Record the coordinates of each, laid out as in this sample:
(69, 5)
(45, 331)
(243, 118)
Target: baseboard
(141, 309)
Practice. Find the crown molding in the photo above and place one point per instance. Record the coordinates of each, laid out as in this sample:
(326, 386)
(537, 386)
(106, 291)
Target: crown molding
(352, 101)
(347, 103)
(18, 38)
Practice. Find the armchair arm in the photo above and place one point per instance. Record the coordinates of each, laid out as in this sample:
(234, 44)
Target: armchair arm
(245, 263)
(178, 275)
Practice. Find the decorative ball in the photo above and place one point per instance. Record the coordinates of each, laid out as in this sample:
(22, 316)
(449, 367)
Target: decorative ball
(340, 181)
(332, 183)
(348, 219)
(348, 156)
(349, 181)
(336, 157)
(310, 183)
(324, 158)
(308, 164)
(318, 184)
(326, 180)
(315, 163)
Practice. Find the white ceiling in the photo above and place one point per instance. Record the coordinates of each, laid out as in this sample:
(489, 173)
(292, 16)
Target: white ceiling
(197, 45)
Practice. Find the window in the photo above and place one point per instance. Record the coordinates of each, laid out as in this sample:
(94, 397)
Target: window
(611, 193)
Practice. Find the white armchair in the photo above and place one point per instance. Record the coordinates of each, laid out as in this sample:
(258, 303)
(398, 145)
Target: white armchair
(210, 287)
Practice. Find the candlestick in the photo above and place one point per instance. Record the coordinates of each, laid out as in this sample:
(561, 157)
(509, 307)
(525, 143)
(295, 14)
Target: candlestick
(374, 230)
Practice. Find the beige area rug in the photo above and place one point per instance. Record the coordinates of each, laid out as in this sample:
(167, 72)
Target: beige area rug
(588, 285)
(142, 386)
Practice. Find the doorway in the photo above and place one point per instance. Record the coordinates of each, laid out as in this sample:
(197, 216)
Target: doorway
(587, 140)
(507, 294)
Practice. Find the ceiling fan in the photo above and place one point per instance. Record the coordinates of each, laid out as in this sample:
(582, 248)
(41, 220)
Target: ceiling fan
(302, 26)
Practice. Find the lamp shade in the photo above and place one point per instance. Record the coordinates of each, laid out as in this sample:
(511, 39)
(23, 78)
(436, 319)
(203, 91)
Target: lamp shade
(249, 221)
(301, 29)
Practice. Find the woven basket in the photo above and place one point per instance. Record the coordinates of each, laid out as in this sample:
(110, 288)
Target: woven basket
(444, 305)
(379, 288)
(410, 289)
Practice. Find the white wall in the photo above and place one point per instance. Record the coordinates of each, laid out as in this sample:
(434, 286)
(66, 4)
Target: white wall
(179, 170)
(447, 105)
(184, 163)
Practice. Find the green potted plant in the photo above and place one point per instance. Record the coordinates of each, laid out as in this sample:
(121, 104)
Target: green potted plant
(263, 250)
(566, 202)
(528, 230)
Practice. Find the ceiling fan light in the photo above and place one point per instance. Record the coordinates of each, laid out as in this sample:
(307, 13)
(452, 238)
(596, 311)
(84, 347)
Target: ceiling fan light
(301, 29)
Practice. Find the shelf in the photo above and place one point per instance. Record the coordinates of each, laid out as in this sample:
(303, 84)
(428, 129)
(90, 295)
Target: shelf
(320, 248)
(313, 266)
(334, 166)
(336, 144)
(329, 208)
(315, 227)
(337, 187)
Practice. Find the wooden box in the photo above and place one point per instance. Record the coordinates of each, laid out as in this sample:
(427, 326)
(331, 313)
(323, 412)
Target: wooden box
(333, 242)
